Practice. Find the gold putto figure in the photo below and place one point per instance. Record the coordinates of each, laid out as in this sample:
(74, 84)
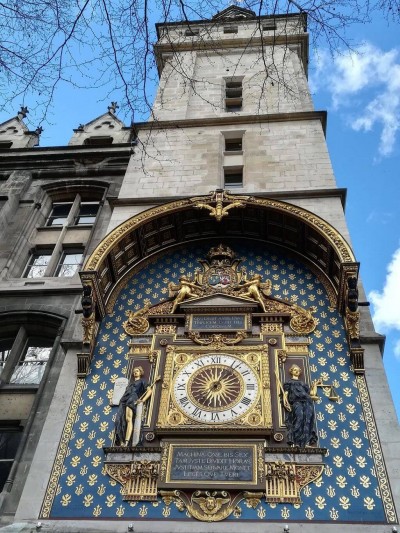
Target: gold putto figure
(255, 289)
(186, 289)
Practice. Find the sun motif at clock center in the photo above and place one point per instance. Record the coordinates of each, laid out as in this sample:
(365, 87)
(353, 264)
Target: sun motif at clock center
(216, 388)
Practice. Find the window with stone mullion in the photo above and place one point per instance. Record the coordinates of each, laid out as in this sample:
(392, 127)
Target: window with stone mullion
(5, 350)
(59, 214)
(14, 353)
(27, 358)
(69, 263)
(30, 368)
(10, 437)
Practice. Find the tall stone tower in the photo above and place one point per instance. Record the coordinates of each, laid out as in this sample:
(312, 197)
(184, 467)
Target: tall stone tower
(229, 376)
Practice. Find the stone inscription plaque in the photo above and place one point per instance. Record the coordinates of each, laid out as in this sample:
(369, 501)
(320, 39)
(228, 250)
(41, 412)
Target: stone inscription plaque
(119, 389)
(218, 322)
(212, 464)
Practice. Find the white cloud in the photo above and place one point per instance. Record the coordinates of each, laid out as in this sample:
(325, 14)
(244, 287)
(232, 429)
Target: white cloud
(381, 217)
(386, 313)
(368, 80)
(397, 349)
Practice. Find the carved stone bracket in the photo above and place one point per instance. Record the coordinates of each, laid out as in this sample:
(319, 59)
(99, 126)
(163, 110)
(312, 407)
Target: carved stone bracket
(210, 506)
(284, 481)
(89, 277)
(347, 270)
(138, 479)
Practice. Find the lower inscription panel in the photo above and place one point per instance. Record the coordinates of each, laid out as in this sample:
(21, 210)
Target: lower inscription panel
(212, 464)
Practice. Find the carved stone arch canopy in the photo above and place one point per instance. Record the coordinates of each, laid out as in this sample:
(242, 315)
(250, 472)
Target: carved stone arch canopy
(64, 190)
(276, 223)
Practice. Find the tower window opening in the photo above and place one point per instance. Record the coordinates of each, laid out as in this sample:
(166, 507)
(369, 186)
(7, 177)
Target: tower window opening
(230, 29)
(99, 140)
(233, 145)
(269, 26)
(190, 32)
(233, 95)
(233, 177)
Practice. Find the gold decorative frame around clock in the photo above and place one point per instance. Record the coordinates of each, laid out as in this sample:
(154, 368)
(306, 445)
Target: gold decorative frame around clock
(259, 418)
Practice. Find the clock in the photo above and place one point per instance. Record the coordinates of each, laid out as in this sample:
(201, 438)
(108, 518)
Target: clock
(216, 388)
(219, 389)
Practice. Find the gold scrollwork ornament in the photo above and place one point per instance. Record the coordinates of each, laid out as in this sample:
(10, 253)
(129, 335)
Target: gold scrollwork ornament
(208, 506)
(217, 340)
(223, 202)
(137, 323)
(352, 321)
(302, 320)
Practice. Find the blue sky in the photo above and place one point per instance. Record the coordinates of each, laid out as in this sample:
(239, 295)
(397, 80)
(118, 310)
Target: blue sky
(361, 92)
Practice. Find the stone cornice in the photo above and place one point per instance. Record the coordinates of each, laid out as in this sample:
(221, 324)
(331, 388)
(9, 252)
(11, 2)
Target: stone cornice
(65, 152)
(219, 45)
(203, 22)
(282, 195)
(235, 120)
(66, 161)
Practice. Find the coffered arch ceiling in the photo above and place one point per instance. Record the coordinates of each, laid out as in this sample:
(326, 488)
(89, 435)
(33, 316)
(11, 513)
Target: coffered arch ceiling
(177, 223)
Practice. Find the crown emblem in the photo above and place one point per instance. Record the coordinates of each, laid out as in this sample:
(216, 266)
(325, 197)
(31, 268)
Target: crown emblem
(220, 252)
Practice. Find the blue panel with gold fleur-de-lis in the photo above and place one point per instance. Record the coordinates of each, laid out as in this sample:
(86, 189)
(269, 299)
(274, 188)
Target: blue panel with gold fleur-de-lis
(349, 489)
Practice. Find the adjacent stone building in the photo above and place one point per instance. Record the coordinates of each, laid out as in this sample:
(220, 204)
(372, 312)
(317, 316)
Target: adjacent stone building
(207, 247)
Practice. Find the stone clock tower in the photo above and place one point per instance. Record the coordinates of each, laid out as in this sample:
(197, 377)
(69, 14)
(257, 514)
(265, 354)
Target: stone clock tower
(228, 378)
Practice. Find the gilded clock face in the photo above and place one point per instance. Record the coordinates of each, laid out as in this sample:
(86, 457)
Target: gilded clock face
(216, 389)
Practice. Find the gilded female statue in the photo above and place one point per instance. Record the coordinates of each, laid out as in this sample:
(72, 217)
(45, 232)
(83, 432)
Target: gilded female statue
(299, 406)
(136, 392)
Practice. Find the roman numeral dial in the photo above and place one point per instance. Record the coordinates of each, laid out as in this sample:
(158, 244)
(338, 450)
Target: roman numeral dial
(216, 389)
